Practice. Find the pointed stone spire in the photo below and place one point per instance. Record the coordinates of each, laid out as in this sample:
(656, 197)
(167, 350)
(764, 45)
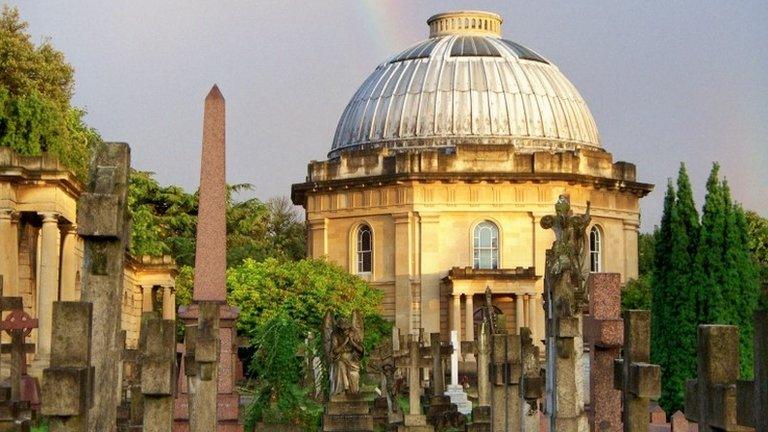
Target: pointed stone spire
(211, 248)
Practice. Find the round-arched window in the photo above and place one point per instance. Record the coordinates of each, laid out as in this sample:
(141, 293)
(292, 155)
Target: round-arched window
(364, 249)
(595, 250)
(486, 246)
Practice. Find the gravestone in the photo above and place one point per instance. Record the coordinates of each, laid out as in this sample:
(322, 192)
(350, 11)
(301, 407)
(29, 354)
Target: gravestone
(604, 331)
(103, 223)
(481, 414)
(442, 412)
(20, 398)
(455, 391)
(710, 399)
(414, 421)
(638, 380)
(158, 358)
(564, 298)
(67, 393)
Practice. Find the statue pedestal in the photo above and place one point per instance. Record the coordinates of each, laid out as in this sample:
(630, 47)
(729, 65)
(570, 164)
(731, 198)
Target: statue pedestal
(459, 398)
(347, 412)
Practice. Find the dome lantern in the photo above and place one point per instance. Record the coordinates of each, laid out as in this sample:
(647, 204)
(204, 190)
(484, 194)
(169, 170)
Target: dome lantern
(476, 23)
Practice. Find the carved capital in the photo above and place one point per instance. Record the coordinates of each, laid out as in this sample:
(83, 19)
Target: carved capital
(49, 217)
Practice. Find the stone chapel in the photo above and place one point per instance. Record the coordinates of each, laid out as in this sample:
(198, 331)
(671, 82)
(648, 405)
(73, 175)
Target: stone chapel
(441, 167)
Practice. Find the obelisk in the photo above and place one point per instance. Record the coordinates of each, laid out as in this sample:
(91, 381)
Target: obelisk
(208, 401)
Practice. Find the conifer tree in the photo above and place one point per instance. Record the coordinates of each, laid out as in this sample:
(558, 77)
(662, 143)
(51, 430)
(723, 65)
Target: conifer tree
(709, 268)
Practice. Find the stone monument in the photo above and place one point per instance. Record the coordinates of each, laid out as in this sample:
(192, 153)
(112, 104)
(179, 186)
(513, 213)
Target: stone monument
(638, 380)
(209, 401)
(565, 296)
(455, 390)
(347, 409)
(604, 331)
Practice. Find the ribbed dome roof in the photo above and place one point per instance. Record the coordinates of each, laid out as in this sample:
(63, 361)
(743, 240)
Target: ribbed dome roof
(465, 84)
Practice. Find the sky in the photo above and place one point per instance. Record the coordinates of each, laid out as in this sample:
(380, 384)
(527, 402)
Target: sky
(667, 82)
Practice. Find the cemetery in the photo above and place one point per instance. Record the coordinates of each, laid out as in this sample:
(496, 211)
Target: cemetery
(465, 280)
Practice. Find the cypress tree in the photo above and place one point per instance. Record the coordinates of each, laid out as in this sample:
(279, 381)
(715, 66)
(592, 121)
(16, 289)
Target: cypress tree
(709, 268)
(659, 293)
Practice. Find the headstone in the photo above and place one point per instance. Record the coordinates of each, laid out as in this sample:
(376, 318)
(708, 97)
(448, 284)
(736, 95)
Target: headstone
(565, 296)
(67, 393)
(678, 422)
(414, 421)
(455, 390)
(158, 355)
(710, 399)
(481, 414)
(21, 396)
(605, 335)
(211, 403)
(532, 381)
(103, 222)
(638, 380)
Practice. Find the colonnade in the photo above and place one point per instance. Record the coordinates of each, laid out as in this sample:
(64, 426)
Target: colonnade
(524, 312)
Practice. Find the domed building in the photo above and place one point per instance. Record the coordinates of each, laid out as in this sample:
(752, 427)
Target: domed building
(443, 164)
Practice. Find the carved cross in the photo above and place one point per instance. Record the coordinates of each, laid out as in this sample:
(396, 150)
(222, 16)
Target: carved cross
(17, 324)
(414, 362)
(437, 351)
(717, 400)
(638, 380)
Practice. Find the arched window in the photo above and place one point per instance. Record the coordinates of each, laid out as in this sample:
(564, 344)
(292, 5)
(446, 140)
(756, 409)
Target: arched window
(486, 246)
(595, 250)
(364, 249)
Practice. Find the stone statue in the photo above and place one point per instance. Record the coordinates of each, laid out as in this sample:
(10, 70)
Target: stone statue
(565, 261)
(343, 342)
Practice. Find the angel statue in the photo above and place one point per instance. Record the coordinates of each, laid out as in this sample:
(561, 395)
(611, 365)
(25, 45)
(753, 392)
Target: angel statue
(343, 343)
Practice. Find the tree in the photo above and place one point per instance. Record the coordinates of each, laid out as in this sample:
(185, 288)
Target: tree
(637, 294)
(282, 304)
(674, 297)
(757, 231)
(35, 90)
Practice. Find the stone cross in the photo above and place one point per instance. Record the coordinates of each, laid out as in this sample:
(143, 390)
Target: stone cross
(506, 370)
(15, 406)
(710, 399)
(158, 355)
(638, 380)
(604, 331)
(717, 399)
(414, 362)
(68, 382)
(437, 351)
(532, 381)
(103, 222)
(565, 296)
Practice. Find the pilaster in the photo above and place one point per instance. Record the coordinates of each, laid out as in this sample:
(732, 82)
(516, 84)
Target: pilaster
(430, 272)
(403, 271)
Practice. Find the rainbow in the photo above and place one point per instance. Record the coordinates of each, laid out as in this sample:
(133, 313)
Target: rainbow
(383, 20)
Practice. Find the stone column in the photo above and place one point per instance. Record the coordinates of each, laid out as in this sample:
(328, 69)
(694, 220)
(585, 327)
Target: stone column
(169, 306)
(69, 263)
(519, 312)
(531, 311)
(9, 252)
(146, 298)
(456, 315)
(403, 294)
(48, 284)
(470, 317)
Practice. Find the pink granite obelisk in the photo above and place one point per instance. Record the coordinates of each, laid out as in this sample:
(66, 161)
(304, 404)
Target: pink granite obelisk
(211, 248)
(208, 401)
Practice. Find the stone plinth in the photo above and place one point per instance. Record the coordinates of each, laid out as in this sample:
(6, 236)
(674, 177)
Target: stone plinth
(348, 412)
(459, 398)
(227, 406)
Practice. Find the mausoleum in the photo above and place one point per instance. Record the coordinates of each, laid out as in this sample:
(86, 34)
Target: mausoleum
(441, 167)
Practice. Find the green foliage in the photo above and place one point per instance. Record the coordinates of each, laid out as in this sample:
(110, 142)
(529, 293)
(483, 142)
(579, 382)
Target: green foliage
(637, 294)
(702, 273)
(757, 230)
(282, 305)
(646, 245)
(35, 91)
(674, 297)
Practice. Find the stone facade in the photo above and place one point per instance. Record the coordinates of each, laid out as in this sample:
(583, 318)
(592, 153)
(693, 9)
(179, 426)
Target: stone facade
(41, 253)
(423, 206)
